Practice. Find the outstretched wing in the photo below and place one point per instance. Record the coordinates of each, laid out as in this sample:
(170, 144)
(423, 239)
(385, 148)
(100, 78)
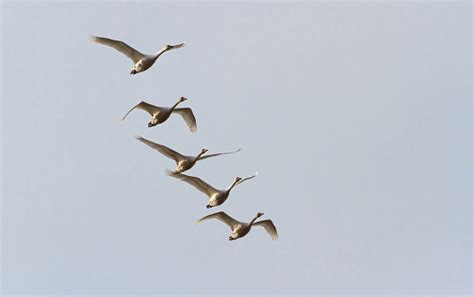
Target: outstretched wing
(120, 46)
(195, 182)
(162, 149)
(188, 117)
(269, 227)
(223, 217)
(217, 154)
(151, 109)
(176, 46)
(247, 178)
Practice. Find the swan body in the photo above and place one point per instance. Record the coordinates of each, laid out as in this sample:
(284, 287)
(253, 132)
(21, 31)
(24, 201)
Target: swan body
(215, 197)
(183, 162)
(161, 114)
(141, 62)
(240, 229)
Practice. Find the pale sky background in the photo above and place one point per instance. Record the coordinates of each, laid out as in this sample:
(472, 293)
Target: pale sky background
(357, 116)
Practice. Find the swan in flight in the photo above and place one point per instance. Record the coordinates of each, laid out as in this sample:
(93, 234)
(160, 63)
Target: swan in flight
(183, 162)
(216, 197)
(141, 62)
(240, 229)
(161, 114)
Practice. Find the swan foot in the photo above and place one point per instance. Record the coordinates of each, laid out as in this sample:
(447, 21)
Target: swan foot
(133, 72)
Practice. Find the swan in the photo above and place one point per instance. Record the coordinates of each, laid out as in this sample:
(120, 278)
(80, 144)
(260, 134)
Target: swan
(240, 229)
(183, 163)
(141, 62)
(161, 114)
(216, 197)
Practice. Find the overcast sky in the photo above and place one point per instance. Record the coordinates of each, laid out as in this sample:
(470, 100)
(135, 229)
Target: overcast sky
(357, 116)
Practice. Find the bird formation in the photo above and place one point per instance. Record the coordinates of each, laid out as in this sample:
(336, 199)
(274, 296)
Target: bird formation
(216, 197)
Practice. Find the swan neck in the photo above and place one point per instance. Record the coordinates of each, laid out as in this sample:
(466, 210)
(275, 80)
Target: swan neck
(159, 53)
(252, 221)
(231, 186)
(176, 104)
(199, 156)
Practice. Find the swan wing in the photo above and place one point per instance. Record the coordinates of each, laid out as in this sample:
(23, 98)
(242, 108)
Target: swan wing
(218, 154)
(223, 217)
(269, 227)
(121, 46)
(188, 117)
(151, 109)
(176, 46)
(162, 149)
(195, 182)
(247, 178)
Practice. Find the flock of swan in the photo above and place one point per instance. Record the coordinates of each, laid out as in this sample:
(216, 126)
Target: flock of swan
(159, 115)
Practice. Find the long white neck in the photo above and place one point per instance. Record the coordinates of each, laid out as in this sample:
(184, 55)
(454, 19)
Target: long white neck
(199, 155)
(176, 104)
(231, 186)
(252, 221)
(155, 56)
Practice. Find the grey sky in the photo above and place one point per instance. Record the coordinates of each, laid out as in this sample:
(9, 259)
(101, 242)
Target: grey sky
(356, 115)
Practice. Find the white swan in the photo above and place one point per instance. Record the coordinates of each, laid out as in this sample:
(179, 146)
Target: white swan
(240, 229)
(183, 162)
(216, 197)
(161, 114)
(141, 62)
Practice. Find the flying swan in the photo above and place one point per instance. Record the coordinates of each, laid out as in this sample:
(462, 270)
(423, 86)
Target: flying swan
(161, 114)
(216, 197)
(240, 229)
(141, 62)
(183, 162)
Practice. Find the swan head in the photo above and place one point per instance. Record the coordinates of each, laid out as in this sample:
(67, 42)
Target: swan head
(133, 72)
(260, 214)
(182, 99)
(231, 238)
(203, 151)
(237, 179)
(208, 206)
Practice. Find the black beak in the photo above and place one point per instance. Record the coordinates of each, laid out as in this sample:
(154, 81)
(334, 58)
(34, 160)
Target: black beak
(133, 71)
(208, 206)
